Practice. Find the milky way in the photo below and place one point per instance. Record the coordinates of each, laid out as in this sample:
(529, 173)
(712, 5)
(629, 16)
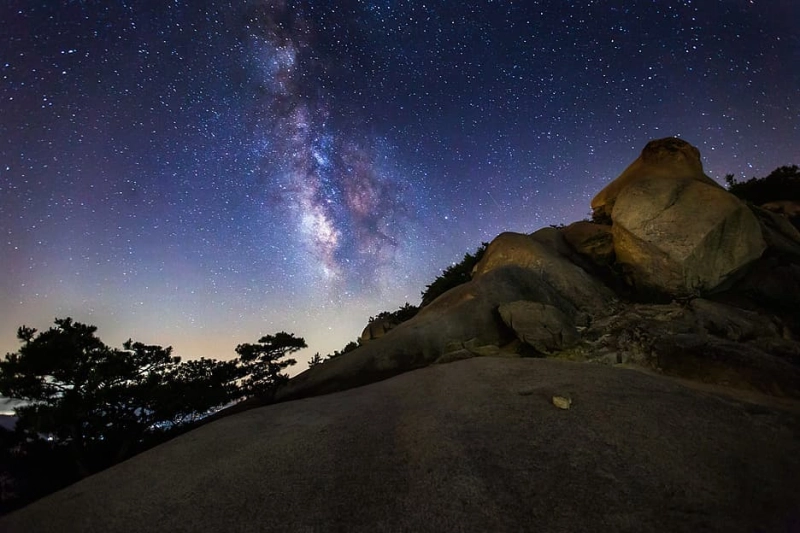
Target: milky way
(343, 196)
(200, 173)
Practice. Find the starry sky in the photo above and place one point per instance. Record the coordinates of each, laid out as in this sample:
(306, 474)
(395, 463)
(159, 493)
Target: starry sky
(201, 173)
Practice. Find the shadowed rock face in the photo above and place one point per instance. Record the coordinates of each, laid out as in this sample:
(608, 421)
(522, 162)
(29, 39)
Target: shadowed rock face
(475, 445)
(377, 329)
(788, 208)
(543, 327)
(591, 240)
(702, 340)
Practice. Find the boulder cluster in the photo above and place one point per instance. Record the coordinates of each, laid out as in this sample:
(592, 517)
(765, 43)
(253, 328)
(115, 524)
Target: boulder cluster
(673, 274)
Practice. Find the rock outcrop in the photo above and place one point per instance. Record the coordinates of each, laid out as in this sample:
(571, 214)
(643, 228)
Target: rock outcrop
(594, 241)
(774, 280)
(669, 159)
(676, 231)
(542, 327)
(788, 208)
(465, 320)
(377, 329)
(673, 233)
(702, 340)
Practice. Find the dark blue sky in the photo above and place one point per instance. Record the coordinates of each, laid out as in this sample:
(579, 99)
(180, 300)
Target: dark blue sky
(198, 174)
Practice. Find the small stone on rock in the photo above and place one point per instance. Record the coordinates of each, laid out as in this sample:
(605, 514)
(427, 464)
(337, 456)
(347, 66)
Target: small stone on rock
(562, 402)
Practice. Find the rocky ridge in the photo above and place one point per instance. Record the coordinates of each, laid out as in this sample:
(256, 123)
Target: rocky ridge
(674, 275)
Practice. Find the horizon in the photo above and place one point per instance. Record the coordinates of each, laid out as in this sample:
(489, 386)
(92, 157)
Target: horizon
(198, 177)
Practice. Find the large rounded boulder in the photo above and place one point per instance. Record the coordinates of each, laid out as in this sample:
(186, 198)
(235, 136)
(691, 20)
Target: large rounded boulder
(675, 230)
(683, 237)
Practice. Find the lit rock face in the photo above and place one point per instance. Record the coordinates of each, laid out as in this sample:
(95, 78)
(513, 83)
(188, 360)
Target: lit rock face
(669, 158)
(675, 230)
(544, 256)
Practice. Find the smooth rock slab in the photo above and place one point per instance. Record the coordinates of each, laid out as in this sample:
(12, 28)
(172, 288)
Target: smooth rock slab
(458, 447)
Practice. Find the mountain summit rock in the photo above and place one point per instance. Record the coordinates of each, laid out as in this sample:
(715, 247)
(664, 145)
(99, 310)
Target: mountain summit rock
(670, 158)
(675, 230)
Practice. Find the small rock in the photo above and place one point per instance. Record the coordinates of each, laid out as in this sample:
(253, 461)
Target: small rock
(562, 402)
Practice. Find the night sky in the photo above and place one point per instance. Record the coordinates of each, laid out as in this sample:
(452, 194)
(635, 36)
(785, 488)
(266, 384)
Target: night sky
(199, 174)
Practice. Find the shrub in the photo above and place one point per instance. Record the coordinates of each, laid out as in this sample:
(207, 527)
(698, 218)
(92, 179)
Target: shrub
(352, 345)
(405, 312)
(453, 276)
(783, 183)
